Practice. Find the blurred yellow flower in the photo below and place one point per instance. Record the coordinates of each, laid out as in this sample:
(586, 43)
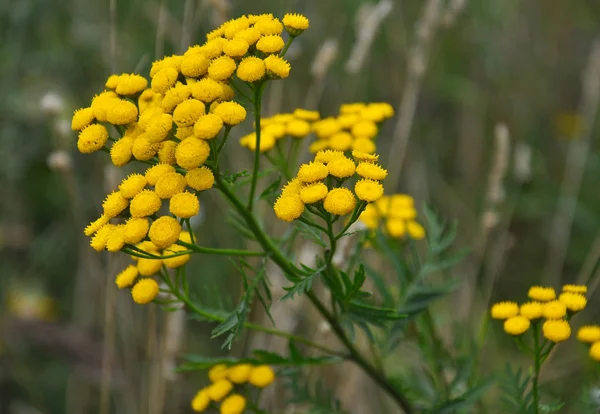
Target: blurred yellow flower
(556, 330)
(516, 325)
(504, 310)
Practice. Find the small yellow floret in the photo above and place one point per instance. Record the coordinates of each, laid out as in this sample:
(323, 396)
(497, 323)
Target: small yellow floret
(144, 291)
(236, 48)
(121, 112)
(144, 204)
(178, 261)
(240, 373)
(595, 351)
(314, 171)
(556, 330)
(200, 179)
(295, 23)
(221, 68)
(208, 126)
(415, 230)
(130, 84)
(516, 325)
(554, 310)
(126, 277)
(232, 113)
(277, 67)
(574, 302)
(339, 201)
(588, 334)
(95, 225)
(297, 128)
(191, 153)
(116, 239)
(365, 145)
(582, 289)
(164, 79)
(504, 310)
(153, 173)
(174, 96)
(92, 138)
(261, 376)
(234, 404)
(219, 389)
(368, 190)
(164, 231)
(217, 372)
(307, 115)
(101, 103)
(396, 228)
(372, 171)
(166, 152)
(158, 129)
(143, 149)
(206, 90)
(201, 401)
(251, 69)
(327, 156)
(184, 205)
(136, 230)
(149, 267)
(98, 242)
(541, 293)
(288, 207)
(187, 112)
(249, 35)
(122, 151)
(531, 310)
(195, 65)
(364, 156)
(314, 192)
(114, 203)
(82, 118)
(170, 184)
(293, 186)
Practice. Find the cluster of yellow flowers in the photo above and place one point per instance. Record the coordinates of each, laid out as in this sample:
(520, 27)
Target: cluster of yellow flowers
(296, 125)
(543, 304)
(398, 214)
(171, 125)
(320, 182)
(355, 128)
(223, 381)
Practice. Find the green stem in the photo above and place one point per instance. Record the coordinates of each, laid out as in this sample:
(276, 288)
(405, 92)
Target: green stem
(537, 366)
(287, 46)
(355, 214)
(222, 252)
(311, 224)
(223, 141)
(257, 108)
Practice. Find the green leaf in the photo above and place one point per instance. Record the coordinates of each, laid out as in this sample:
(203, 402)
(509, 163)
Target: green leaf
(466, 400)
(436, 266)
(271, 189)
(552, 407)
(374, 313)
(298, 288)
(232, 178)
(419, 297)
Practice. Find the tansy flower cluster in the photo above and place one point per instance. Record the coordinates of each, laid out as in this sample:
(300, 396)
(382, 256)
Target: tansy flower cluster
(396, 214)
(296, 125)
(545, 304)
(355, 128)
(228, 385)
(319, 183)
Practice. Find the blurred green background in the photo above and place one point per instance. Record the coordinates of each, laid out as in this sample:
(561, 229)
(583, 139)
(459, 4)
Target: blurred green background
(517, 64)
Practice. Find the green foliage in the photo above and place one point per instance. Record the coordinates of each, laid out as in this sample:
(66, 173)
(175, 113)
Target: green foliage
(516, 395)
(319, 399)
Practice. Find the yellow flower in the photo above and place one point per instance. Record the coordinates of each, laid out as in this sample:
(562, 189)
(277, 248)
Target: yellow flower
(249, 35)
(191, 153)
(327, 156)
(201, 401)
(178, 261)
(156, 171)
(121, 151)
(319, 145)
(295, 23)
(293, 186)
(364, 156)
(267, 142)
(148, 116)
(352, 108)
(541, 293)
(364, 145)
(554, 310)
(368, 190)
(288, 207)
(372, 171)
(234, 404)
(136, 229)
(340, 167)
(101, 103)
(166, 152)
(164, 79)
(307, 115)
(595, 351)
(130, 84)
(92, 138)
(187, 112)
(340, 141)
(158, 129)
(214, 47)
(339, 201)
(277, 67)
(144, 291)
(98, 242)
(588, 334)
(516, 325)
(164, 231)
(121, 112)
(396, 228)
(95, 225)
(369, 217)
(531, 310)
(184, 205)
(208, 126)
(200, 179)
(582, 289)
(232, 27)
(297, 128)
(326, 127)
(170, 184)
(347, 120)
(240, 373)
(133, 184)
(126, 277)
(366, 129)
(221, 68)
(261, 376)
(82, 118)
(313, 192)
(143, 149)
(415, 230)
(114, 203)
(251, 69)
(206, 90)
(574, 302)
(277, 130)
(217, 372)
(269, 26)
(148, 247)
(232, 113)
(174, 96)
(112, 81)
(556, 330)
(219, 389)
(194, 65)
(116, 239)
(314, 171)
(144, 204)
(236, 48)
(504, 310)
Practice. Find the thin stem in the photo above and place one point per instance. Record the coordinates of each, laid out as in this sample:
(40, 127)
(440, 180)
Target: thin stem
(257, 108)
(311, 224)
(287, 46)
(223, 141)
(222, 252)
(537, 365)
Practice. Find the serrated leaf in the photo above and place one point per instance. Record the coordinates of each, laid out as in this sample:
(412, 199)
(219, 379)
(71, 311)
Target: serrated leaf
(373, 312)
(298, 288)
(418, 298)
(439, 265)
(465, 400)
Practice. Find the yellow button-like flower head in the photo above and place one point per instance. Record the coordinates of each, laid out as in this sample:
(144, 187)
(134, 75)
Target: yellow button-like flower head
(164, 79)
(504, 310)
(232, 113)
(95, 225)
(170, 184)
(156, 171)
(219, 389)
(251, 69)
(164, 231)
(340, 141)
(396, 228)
(174, 96)
(293, 186)
(269, 26)
(116, 239)
(340, 167)
(595, 351)
(415, 230)
(249, 35)
(144, 291)
(364, 156)
(206, 90)
(297, 128)
(541, 293)
(288, 207)
(101, 103)
(295, 23)
(326, 127)
(221, 68)
(277, 67)
(166, 152)
(178, 261)
(130, 84)
(195, 65)
(307, 115)
(132, 185)
(217, 372)
(98, 242)
(327, 156)
(208, 126)
(556, 330)
(554, 310)
(516, 325)
(372, 171)
(184, 205)
(582, 289)
(200, 179)
(188, 112)
(136, 230)
(82, 118)
(267, 142)
(142, 149)
(114, 203)
(122, 151)
(261, 376)
(158, 129)
(236, 48)
(191, 153)
(149, 267)
(201, 401)
(531, 310)
(574, 302)
(365, 145)
(240, 373)
(92, 138)
(234, 404)
(339, 201)
(365, 129)
(314, 192)
(144, 204)
(368, 190)
(313, 171)
(126, 277)
(588, 334)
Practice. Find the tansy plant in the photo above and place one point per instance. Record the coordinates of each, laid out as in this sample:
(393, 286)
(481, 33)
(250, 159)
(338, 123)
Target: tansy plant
(176, 127)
